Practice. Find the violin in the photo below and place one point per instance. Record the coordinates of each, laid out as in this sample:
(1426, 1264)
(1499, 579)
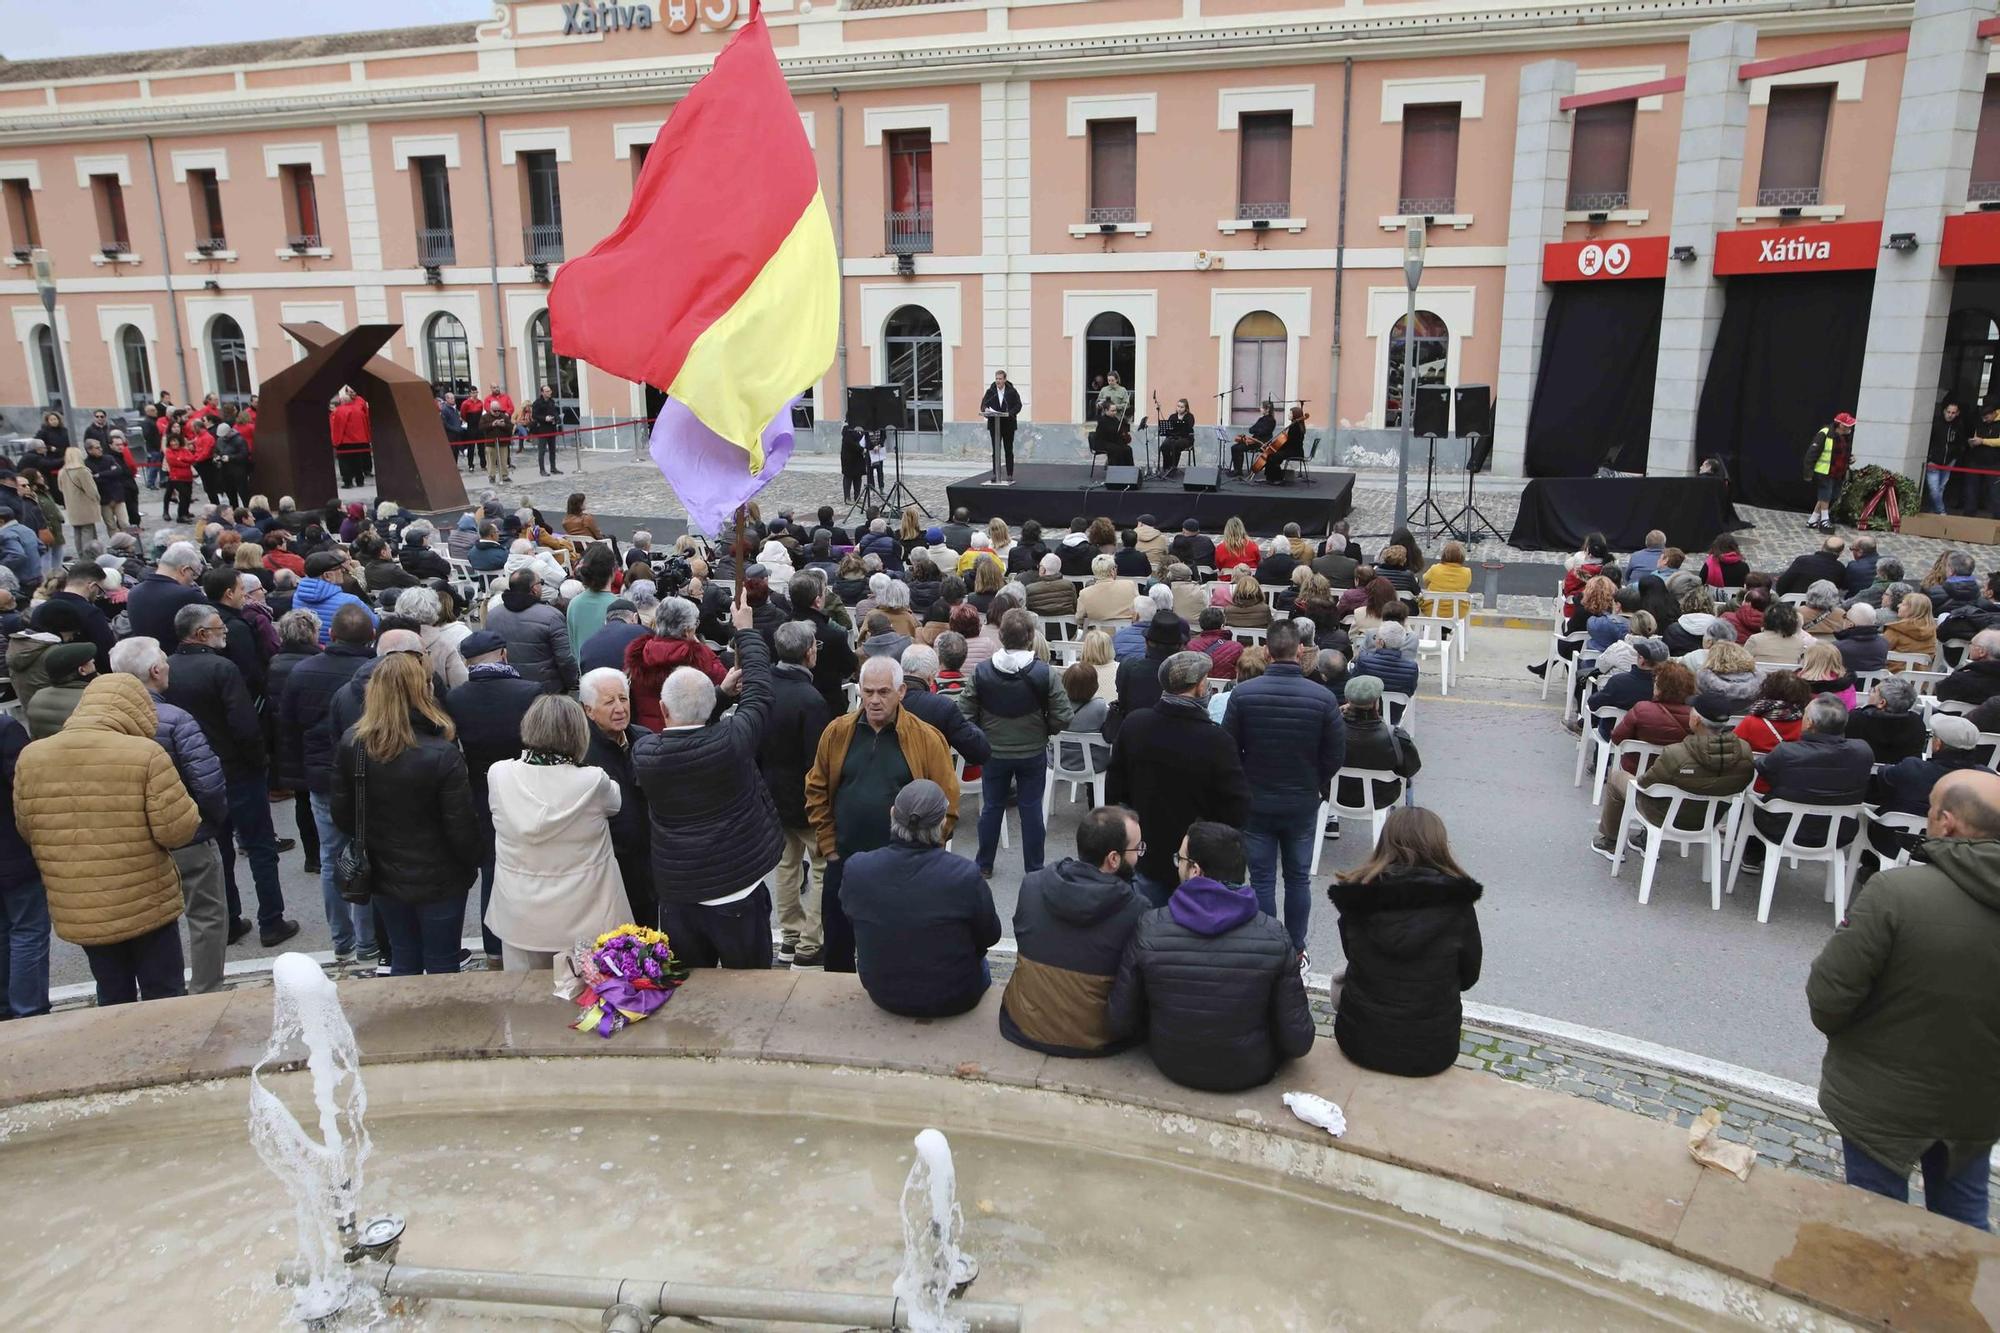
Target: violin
(1279, 440)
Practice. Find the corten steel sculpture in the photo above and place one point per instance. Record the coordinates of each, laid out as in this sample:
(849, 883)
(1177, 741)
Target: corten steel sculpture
(413, 462)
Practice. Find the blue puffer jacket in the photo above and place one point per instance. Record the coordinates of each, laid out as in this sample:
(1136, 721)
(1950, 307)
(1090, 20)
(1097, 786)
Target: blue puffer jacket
(201, 772)
(1289, 733)
(323, 599)
(1395, 671)
(884, 545)
(21, 551)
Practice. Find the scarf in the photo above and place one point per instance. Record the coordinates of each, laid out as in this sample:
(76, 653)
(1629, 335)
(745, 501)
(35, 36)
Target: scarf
(1774, 710)
(546, 759)
(492, 671)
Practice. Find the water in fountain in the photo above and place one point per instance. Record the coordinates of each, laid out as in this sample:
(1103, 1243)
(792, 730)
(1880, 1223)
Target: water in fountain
(321, 1175)
(933, 1265)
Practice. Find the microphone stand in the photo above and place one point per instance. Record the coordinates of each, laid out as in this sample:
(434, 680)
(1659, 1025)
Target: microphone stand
(1221, 432)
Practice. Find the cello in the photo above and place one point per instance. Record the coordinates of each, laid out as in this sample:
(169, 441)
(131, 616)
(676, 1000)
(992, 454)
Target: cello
(1279, 441)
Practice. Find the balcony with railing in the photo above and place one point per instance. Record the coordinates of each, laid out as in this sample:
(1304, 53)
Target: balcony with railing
(909, 232)
(1788, 196)
(301, 241)
(1265, 211)
(436, 246)
(1983, 192)
(1434, 206)
(543, 242)
(115, 247)
(1095, 215)
(1599, 201)
(209, 245)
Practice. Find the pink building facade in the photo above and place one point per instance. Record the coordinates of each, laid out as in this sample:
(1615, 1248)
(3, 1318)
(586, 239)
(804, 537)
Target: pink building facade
(1208, 196)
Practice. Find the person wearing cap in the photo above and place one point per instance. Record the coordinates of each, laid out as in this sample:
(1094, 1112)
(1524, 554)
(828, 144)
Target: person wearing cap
(1139, 680)
(1904, 787)
(606, 648)
(1634, 685)
(923, 916)
(1711, 760)
(1826, 467)
(325, 590)
(1373, 742)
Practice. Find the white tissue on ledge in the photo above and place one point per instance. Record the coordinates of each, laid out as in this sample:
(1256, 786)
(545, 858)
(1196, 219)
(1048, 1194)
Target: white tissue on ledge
(1317, 1110)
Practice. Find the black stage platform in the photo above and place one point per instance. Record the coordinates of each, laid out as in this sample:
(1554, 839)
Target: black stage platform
(1054, 493)
(1557, 513)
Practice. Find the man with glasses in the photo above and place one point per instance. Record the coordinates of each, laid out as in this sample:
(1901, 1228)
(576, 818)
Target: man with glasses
(99, 428)
(1072, 922)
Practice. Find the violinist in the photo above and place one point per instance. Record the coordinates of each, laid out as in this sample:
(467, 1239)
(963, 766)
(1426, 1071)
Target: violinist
(1252, 444)
(1176, 436)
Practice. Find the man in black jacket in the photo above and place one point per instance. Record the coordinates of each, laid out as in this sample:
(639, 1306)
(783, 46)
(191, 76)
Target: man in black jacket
(1211, 981)
(1904, 787)
(76, 603)
(920, 696)
(1628, 687)
(1191, 548)
(1025, 555)
(1978, 676)
(305, 741)
(224, 591)
(607, 698)
(544, 420)
(835, 663)
(606, 648)
(1174, 767)
(1139, 680)
(716, 833)
(1821, 767)
(211, 689)
(1808, 569)
(1288, 731)
(799, 713)
(487, 711)
(958, 532)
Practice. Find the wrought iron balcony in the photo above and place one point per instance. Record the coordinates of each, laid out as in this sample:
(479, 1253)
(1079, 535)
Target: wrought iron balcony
(1427, 208)
(1787, 196)
(1099, 215)
(1270, 208)
(300, 242)
(1599, 201)
(543, 242)
(436, 245)
(910, 232)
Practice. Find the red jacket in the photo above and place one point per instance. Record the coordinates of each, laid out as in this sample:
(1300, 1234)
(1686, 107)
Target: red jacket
(648, 663)
(1222, 649)
(502, 402)
(246, 426)
(1654, 723)
(349, 423)
(1226, 559)
(202, 445)
(180, 462)
(1573, 583)
(277, 560)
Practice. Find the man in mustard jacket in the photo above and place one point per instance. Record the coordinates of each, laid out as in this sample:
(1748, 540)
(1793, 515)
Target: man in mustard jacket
(864, 759)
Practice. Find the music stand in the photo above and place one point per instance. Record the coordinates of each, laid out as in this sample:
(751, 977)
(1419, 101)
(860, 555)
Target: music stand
(1478, 524)
(1429, 505)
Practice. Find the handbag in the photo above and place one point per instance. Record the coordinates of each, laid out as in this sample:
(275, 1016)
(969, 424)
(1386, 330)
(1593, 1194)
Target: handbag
(351, 875)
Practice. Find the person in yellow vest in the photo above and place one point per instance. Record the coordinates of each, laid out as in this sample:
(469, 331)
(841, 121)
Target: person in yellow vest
(1983, 452)
(1826, 466)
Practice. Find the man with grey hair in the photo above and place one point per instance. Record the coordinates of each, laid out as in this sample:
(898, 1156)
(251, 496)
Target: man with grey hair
(923, 917)
(715, 830)
(1889, 722)
(1129, 641)
(799, 714)
(920, 696)
(621, 629)
(1173, 766)
(1385, 659)
(1822, 767)
(864, 758)
(1049, 592)
(1978, 676)
(153, 601)
(203, 896)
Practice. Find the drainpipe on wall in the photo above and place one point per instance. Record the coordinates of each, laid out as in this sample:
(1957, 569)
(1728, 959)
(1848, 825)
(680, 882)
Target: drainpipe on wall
(1340, 255)
(167, 273)
(493, 252)
(840, 239)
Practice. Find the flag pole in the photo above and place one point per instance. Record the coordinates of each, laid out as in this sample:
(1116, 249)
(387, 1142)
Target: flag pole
(742, 520)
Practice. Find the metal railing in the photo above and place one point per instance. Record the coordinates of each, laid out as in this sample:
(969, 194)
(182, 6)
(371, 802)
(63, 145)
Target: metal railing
(1279, 208)
(909, 233)
(1427, 208)
(208, 245)
(436, 245)
(1599, 201)
(1787, 196)
(300, 242)
(116, 247)
(1095, 215)
(543, 242)
(1983, 192)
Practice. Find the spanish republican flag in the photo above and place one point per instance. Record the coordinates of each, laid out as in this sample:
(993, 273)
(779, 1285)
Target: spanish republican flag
(721, 286)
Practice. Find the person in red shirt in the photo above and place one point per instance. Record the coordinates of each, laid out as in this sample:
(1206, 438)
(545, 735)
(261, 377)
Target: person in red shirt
(279, 555)
(180, 472)
(201, 445)
(497, 397)
(1777, 716)
(349, 425)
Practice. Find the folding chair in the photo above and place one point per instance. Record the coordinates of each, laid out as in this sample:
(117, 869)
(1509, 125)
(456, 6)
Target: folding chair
(1455, 608)
(1559, 663)
(1615, 752)
(1715, 818)
(1376, 815)
(1788, 845)
(1896, 821)
(1588, 738)
(1095, 753)
(1396, 708)
(1433, 637)
(1247, 636)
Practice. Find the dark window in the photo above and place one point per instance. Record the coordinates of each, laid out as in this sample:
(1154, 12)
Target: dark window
(1600, 158)
(915, 348)
(1430, 160)
(45, 360)
(1109, 344)
(22, 233)
(558, 372)
(206, 194)
(1985, 149)
(1114, 171)
(1794, 146)
(436, 243)
(138, 366)
(909, 214)
(542, 187)
(1264, 165)
(230, 358)
(639, 151)
(448, 349)
(113, 238)
(1257, 363)
(301, 207)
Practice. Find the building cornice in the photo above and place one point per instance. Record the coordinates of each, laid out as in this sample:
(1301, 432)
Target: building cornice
(1102, 53)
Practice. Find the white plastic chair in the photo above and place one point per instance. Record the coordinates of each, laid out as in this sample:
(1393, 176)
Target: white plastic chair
(1398, 708)
(1061, 629)
(1588, 739)
(1898, 821)
(852, 689)
(1613, 752)
(1455, 608)
(1092, 772)
(1376, 815)
(1714, 830)
(1247, 636)
(1566, 666)
(1788, 846)
(1433, 637)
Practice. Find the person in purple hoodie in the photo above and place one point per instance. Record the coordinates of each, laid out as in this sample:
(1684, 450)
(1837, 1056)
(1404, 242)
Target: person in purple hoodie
(1212, 983)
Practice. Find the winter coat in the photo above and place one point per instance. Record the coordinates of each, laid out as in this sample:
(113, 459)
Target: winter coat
(1411, 939)
(924, 752)
(1728, 570)
(1908, 637)
(200, 771)
(836, 663)
(942, 712)
(101, 805)
(17, 861)
(421, 562)
(555, 878)
(53, 704)
(1862, 648)
(1152, 545)
(1746, 620)
(1973, 682)
(1373, 744)
(606, 648)
(1071, 925)
(798, 715)
(1018, 702)
(304, 735)
(923, 921)
(1736, 689)
(715, 829)
(1444, 578)
(537, 641)
(422, 835)
(1289, 732)
(324, 600)
(1396, 672)
(1860, 573)
(1809, 569)
(153, 602)
(487, 712)
(486, 557)
(1890, 736)
(1707, 763)
(1653, 723)
(1822, 624)
(1214, 985)
(1222, 650)
(1138, 681)
(80, 496)
(1173, 766)
(648, 663)
(208, 685)
(1107, 599)
(1815, 769)
(1229, 559)
(631, 830)
(1053, 595)
(1905, 786)
(884, 545)
(1904, 993)
(21, 551)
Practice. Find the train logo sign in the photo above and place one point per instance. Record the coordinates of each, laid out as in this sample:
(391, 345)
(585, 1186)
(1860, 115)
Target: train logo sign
(1611, 260)
(1587, 261)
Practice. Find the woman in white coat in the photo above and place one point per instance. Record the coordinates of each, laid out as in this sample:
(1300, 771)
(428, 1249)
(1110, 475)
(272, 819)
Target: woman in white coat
(555, 879)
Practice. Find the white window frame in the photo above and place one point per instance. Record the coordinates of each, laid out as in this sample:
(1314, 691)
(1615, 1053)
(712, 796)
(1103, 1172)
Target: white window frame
(1468, 90)
(1142, 108)
(1140, 306)
(879, 120)
(200, 159)
(1228, 305)
(515, 142)
(945, 301)
(1232, 104)
(278, 156)
(112, 318)
(403, 147)
(1849, 80)
(1456, 306)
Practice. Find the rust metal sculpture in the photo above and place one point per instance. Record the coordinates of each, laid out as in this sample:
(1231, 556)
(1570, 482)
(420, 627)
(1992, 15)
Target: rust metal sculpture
(413, 462)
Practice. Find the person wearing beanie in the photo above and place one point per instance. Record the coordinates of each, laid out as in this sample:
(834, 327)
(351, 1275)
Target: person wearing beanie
(1903, 787)
(923, 917)
(70, 667)
(325, 589)
(1712, 760)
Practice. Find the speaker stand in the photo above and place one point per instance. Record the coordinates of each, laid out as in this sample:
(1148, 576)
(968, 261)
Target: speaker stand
(1469, 524)
(900, 496)
(1429, 508)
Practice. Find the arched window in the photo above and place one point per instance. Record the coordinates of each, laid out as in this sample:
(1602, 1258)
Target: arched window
(915, 351)
(1433, 344)
(1108, 345)
(448, 351)
(559, 371)
(136, 365)
(229, 357)
(45, 364)
(1257, 364)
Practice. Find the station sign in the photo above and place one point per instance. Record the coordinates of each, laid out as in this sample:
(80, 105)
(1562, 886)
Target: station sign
(1601, 261)
(588, 20)
(1814, 248)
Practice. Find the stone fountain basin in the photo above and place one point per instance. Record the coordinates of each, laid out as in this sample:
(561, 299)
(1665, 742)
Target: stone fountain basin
(1099, 1194)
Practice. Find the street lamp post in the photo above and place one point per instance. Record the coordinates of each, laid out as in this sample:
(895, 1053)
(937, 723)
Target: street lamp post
(1413, 272)
(45, 283)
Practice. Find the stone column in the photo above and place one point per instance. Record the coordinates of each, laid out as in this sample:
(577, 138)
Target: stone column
(1944, 80)
(1708, 181)
(1534, 218)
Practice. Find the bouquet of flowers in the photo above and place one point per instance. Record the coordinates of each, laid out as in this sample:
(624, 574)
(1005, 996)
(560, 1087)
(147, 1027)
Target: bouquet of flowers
(627, 974)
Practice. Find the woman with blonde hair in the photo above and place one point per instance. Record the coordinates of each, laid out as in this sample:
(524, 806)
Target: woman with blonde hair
(1449, 575)
(1236, 550)
(1410, 932)
(1003, 540)
(555, 874)
(1823, 668)
(910, 534)
(1914, 630)
(1247, 607)
(80, 499)
(1098, 653)
(400, 791)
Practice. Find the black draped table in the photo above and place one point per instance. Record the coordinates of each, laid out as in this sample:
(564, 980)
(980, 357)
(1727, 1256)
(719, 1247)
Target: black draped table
(1557, 513)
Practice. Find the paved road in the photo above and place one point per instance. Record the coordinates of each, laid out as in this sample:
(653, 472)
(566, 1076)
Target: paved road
(1562, 938)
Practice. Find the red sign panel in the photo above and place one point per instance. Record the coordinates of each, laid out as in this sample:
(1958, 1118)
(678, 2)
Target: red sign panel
(1597, 261)
(1970, 238)
(1817, 248)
